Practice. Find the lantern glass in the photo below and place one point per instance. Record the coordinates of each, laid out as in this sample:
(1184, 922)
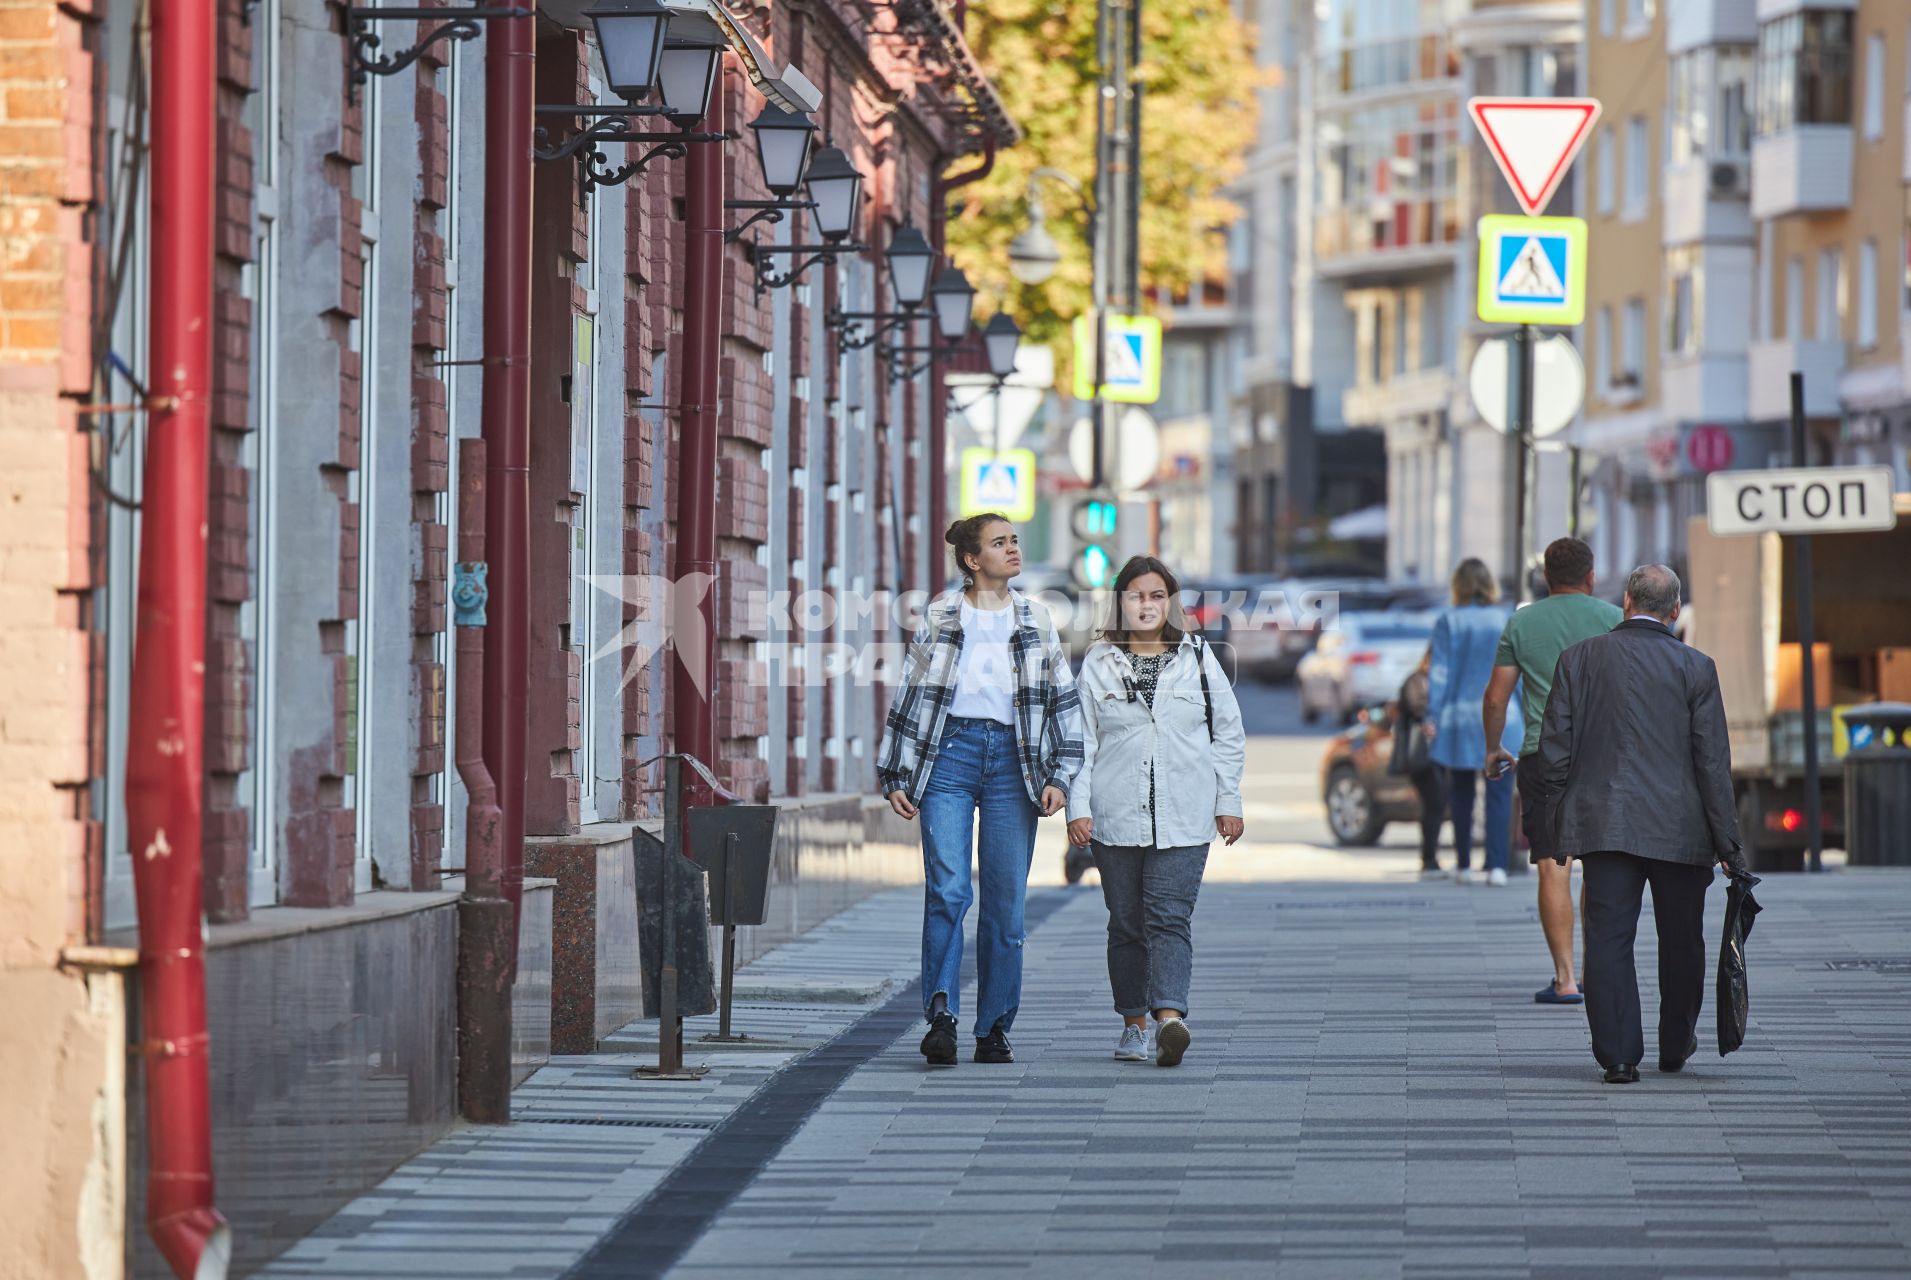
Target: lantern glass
(631, 39)
(783, 141)
(685, 76)
(837, 191)
(909, 257)
(1001, 339)
(952, 296)
(1034, 255)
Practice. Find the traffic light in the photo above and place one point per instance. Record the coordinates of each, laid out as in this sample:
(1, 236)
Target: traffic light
(1094, 526)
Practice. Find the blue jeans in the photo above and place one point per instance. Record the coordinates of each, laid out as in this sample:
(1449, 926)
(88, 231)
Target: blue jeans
(977, 767)
(1499, 817)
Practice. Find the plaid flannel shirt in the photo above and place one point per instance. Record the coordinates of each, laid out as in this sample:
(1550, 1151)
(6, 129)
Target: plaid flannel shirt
(1048, 711)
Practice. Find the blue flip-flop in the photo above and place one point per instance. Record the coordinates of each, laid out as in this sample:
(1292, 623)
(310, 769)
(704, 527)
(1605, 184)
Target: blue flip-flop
(1549, 994)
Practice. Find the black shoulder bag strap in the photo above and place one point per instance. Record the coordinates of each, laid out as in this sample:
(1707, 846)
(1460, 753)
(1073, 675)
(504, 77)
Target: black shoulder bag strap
(1207, 698)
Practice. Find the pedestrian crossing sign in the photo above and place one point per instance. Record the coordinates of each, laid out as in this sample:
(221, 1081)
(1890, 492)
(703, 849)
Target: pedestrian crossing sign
(1001, 482)
(1131, 363)
(1532, 270)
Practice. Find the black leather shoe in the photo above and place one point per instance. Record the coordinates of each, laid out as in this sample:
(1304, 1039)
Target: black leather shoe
(1669, 1065)
(1624, 1073)
(939, 1045)
(994, 1047)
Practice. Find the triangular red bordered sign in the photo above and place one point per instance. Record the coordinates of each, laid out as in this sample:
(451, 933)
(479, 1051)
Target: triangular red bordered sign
(1534, 141)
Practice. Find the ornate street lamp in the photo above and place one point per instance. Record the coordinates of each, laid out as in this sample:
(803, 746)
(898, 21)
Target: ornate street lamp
(836, 189)
(1033, 254)
(909, 258)
(951, 297)
(687, 71)
(632, 41)
(783, 140)
(1001, 338)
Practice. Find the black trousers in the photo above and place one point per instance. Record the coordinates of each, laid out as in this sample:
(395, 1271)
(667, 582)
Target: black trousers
(1431, 783)
(1615, 886)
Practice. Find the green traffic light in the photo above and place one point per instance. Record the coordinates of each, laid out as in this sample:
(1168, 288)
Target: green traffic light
(1094, 567)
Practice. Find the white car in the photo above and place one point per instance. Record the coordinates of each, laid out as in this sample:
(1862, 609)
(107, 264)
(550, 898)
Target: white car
(1361, 662)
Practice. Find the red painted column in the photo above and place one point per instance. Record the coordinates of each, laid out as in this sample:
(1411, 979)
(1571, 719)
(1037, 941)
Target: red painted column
(165, 752)
(509, 58)
(693, 673)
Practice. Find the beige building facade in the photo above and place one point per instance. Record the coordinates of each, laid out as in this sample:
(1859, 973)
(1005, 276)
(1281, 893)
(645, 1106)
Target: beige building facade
(1747, 200)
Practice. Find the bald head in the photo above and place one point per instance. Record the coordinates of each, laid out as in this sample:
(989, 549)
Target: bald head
(1653, 589)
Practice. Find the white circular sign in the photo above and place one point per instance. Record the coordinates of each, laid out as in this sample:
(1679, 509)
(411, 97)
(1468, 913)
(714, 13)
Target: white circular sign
(1559, 383)
(1136, 450)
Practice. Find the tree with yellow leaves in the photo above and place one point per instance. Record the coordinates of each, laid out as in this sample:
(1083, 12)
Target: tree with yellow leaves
(1199, 118)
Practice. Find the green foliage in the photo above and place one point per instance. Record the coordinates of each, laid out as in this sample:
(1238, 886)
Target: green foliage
(1199, 119)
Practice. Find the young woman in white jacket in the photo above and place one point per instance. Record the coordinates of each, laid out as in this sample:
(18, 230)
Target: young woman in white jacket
(1161, 777)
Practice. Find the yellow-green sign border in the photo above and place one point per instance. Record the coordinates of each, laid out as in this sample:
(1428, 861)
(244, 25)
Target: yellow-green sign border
(1023, 510)
(1149, 327)
(1493, 228)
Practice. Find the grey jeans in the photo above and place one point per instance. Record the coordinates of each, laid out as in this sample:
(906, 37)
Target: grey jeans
(1150, 895)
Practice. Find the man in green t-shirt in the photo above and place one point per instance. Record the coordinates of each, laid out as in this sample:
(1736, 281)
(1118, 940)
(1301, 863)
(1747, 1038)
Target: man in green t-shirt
(1529, 649)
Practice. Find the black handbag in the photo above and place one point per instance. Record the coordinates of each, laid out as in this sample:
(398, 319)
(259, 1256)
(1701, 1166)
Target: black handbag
(1734, 994)
(1412, 753)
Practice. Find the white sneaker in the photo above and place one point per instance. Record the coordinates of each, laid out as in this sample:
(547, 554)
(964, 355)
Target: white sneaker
(1171, 1041)
(1496, 877)
(1134, 1044)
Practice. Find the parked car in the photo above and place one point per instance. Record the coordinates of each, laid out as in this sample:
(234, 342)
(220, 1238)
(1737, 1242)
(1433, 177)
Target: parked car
(1288, 629)
(1214, 605)
(1360, 795)
(1361, 662)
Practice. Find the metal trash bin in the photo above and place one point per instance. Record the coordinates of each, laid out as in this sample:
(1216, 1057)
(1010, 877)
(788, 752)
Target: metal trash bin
(1878, 785)
(734, 843)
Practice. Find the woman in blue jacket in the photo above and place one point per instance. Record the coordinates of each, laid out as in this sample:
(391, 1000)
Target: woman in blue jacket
(1464, 641)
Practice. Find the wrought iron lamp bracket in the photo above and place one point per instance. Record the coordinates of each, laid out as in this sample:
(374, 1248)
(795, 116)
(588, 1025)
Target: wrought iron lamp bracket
(362, 42)
(768, 211)
(768, 277)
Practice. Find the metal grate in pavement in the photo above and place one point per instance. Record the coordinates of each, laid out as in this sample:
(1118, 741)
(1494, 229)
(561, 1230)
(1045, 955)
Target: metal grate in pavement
(617, 1122)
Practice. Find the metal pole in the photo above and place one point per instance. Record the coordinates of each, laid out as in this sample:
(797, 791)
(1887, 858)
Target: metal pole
(729, 931)
(1572, 519)
(165, 753)
(669, 1026)
(1808, 668)
(1522, 439)
(509, 58)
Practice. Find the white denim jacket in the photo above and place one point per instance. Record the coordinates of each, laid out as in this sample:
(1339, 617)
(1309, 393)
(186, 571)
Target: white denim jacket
(1127, 747)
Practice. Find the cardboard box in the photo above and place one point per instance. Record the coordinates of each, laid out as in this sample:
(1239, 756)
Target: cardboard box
(1791, 677)
(1894, 675)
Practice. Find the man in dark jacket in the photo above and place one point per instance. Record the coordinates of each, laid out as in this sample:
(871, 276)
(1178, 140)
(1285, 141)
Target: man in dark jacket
(1634, 763)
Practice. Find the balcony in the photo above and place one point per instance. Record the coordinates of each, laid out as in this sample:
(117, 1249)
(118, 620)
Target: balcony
(1822, 363)
(1705, 199)
(1707, 388)
(1693, 24)
(1404, 396)
(1806, 169)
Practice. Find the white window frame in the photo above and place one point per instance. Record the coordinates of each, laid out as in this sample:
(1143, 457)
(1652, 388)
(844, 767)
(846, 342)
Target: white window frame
(1795, 299)
(1608, 17)
(1868, 295)
(1874, 87)
(1633, 342)
(1831, 294)
(1639, 15)
(1602, 165)
(1602, 351)
(1638, 189)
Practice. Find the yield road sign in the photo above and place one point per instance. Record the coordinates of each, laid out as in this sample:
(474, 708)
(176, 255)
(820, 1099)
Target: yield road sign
(1559, 384)
(1002, 482)
(1135, 449)
(1800, 500)
(1532, 270)
(1534, 140)
(1131, 360)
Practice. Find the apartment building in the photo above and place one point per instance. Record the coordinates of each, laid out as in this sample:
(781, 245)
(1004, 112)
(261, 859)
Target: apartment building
(1748, 218)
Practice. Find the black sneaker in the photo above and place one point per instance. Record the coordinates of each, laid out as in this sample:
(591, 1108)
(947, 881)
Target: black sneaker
(939, 1043)
(994, 1047)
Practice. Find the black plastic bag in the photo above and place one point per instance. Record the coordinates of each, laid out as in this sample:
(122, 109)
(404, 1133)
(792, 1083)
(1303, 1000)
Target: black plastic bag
(1741, 908)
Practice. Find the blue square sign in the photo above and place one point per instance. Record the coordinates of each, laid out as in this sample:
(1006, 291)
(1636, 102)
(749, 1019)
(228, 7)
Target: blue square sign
(1532, 270)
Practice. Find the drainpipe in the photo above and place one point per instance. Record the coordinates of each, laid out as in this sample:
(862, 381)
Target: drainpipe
(696, 546)
(509, 58)
(938, 404)
(165, 750)
(485, 947)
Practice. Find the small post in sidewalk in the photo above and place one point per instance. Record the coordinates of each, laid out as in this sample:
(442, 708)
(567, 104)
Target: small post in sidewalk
(1808, 698)
(669, 1022)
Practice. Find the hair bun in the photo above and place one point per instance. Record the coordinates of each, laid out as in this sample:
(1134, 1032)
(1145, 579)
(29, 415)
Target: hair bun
(952, 533)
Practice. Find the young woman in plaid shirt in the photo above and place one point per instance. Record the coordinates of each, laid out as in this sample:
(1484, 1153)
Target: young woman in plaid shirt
(985, 719)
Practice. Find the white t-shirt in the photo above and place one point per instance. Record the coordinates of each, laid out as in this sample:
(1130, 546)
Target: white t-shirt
(985, 676)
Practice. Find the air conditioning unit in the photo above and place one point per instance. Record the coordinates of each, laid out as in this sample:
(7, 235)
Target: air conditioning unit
(1731, 178)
